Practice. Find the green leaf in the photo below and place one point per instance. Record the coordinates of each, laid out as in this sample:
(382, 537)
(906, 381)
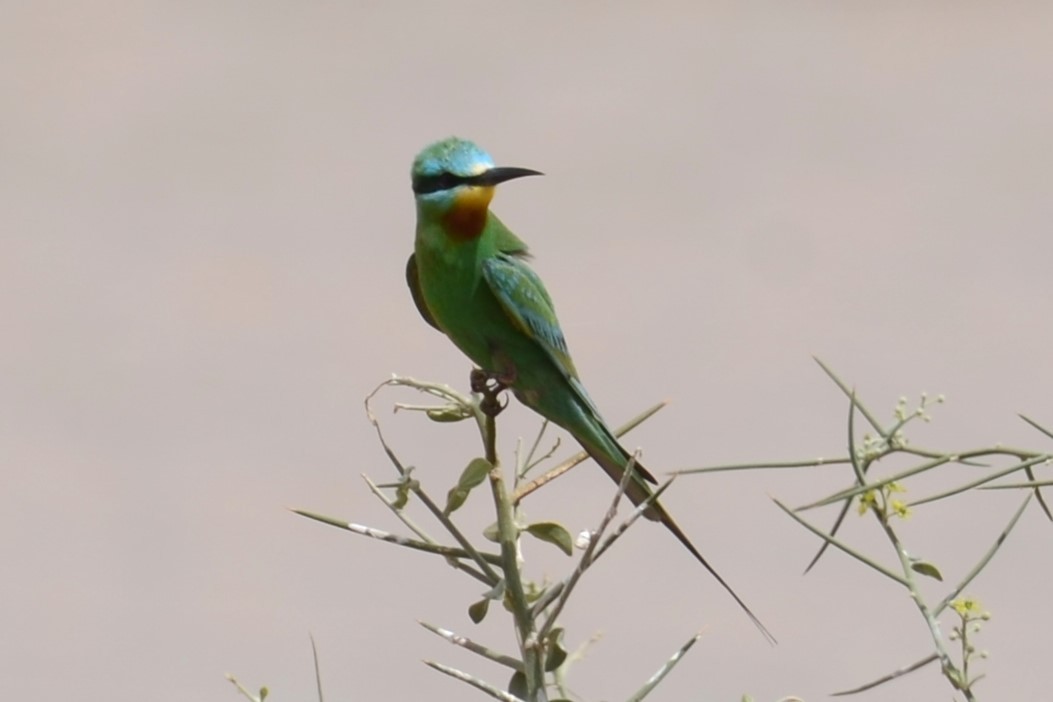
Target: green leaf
(555, 654)
(454, 500)
(474, 473)
(449, 413)
(477, 612)
(403, 487)
(926, 569)
(402, 494)
(471, 477)
(553, 533)
(517, 685)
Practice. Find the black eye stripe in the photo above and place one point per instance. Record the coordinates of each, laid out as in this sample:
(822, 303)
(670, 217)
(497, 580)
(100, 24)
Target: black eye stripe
(441, 181)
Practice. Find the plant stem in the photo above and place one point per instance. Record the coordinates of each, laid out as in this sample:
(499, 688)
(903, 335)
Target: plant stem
(508, 533)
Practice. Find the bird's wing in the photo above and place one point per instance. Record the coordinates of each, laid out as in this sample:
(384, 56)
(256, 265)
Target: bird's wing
(413, 280)
(524, 299)
(507, 241)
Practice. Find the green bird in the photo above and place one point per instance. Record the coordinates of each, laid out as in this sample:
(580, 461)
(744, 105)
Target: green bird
(469, 279)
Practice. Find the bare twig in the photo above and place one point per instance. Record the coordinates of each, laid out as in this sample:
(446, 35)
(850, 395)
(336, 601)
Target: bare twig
(469, 645)
(495, 692)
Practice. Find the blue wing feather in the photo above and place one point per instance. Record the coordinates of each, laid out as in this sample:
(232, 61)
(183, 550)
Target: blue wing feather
(524, 299)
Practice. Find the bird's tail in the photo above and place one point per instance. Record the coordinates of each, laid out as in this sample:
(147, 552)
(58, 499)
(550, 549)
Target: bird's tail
(613, 458)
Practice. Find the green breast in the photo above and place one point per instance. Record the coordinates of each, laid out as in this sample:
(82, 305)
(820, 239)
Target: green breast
(458, 298)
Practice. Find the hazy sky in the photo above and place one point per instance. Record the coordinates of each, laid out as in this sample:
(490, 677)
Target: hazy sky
(204, 216)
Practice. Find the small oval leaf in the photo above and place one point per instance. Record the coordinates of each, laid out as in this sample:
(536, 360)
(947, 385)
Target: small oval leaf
(553, 533)
(517, 685)
(926, 569)
(477, 611)
(474, 473)
(555, 654)
(401, 495)
(449, 413)
(472, 476)
(454, 499)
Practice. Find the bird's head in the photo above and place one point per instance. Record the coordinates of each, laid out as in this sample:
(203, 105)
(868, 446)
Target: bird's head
(454, 180)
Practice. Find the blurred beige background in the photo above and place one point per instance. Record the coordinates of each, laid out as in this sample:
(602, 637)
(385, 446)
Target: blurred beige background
(204, 216)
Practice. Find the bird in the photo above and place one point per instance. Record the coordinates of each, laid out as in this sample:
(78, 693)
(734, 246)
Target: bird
(470, 279)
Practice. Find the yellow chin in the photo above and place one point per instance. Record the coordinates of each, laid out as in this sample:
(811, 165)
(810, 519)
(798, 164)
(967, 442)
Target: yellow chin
(474, 198)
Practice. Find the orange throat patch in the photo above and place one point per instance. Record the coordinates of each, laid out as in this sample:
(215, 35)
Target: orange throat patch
(467, 217)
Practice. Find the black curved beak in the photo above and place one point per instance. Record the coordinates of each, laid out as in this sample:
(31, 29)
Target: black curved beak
(500, 175)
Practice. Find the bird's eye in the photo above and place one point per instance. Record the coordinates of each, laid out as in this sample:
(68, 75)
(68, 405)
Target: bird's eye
(435, 183)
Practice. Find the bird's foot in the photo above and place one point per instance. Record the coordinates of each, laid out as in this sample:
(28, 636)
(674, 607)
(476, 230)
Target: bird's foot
(482, 381)
(490, 384)
(479, 380)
